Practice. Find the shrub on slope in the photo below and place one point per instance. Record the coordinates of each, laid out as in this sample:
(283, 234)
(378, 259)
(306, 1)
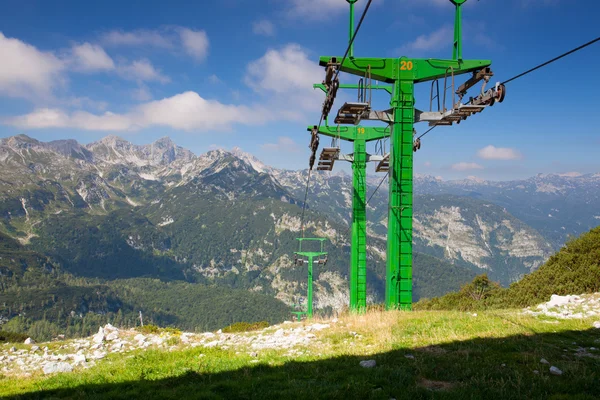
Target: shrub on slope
(575, 269)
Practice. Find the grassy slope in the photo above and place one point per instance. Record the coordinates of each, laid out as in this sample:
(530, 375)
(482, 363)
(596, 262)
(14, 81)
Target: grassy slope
(456, 356)
(575, 269)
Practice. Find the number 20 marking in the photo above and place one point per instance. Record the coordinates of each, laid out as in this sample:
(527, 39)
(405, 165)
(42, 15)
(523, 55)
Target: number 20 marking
(406, 65)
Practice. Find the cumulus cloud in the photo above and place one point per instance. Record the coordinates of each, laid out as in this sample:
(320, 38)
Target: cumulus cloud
(286, 76)
(195, 43)
(498, 153)
(91, 57)
(435, 40)
(316, 8)
(263, 27)
(142, 70)
(26, 71)
(186, 111)
(139, 37)
(214, 79)
(284, 144)
(465, 166)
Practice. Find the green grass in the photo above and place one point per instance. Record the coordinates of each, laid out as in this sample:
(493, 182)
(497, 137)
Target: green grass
(456, 356)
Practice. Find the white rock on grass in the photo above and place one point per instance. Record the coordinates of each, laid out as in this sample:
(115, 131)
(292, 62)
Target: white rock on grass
(368, 363)
(597, 324)
(53, 367)
(29, 341)
(114, 335)
(99, 337)
(139, 338)
(555, 371)
(544, 361)
(79, 359)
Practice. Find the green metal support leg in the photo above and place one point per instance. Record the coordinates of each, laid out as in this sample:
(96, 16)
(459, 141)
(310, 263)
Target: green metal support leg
(309, 308)
(358, 267)
(399, 246)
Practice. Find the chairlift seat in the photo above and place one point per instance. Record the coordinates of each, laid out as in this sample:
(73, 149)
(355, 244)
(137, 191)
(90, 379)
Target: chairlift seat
(383, 165)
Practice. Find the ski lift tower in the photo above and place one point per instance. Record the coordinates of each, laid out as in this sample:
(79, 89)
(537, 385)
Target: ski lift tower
(321, 258)
(401, 74)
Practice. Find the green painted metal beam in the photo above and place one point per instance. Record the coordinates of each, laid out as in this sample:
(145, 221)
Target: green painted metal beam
(352, 133)
(387, 88)
(415, 69)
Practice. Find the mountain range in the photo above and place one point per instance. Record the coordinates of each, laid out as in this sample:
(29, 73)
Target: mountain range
(115, 210)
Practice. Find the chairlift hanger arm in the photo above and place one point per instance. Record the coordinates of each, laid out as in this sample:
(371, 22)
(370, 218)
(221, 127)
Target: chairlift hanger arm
(387, 88)
(416, 69)
(352, 133)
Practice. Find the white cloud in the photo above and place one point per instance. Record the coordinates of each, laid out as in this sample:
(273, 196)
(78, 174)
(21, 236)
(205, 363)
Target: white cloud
(316, 9)
(137, 38)
(195, 43)
(91, 57)
(28, 72)
(141, 93)
(214, 79)
(435, 40)
(465, 166)
(263, 27)
(142, 70)
(498, 153)
(186, 111)
(284, 144)
(287, 76)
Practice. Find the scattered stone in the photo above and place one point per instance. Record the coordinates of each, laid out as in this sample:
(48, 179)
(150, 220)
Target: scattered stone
(597, 324)
(79, 359)
(254, 354)
(503, 365)
(114, 335)
(220, 331)
(139, 338)
(334, 321)
(535, 371)
(319, 327)
(53, 367)
(29, 341)
(474, 314)
(555, 371)
(278, 332)
(214, 343)
(35, 348)
(99, 337)
(98, 355)
(311, 336)
(368, 363)
(409, 356)
(544, 361)
(13, 349)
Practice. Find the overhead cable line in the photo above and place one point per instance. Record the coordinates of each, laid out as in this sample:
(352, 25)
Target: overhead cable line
(362, 17)
(551, 61)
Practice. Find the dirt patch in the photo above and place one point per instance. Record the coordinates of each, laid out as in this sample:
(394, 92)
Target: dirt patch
(435, 385)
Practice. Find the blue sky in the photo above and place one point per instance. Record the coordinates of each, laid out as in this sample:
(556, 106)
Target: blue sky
(239, 73)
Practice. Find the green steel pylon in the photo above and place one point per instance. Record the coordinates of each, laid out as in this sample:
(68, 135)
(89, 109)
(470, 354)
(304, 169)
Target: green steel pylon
(359, 136)
(310, 255)
(402, 73)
